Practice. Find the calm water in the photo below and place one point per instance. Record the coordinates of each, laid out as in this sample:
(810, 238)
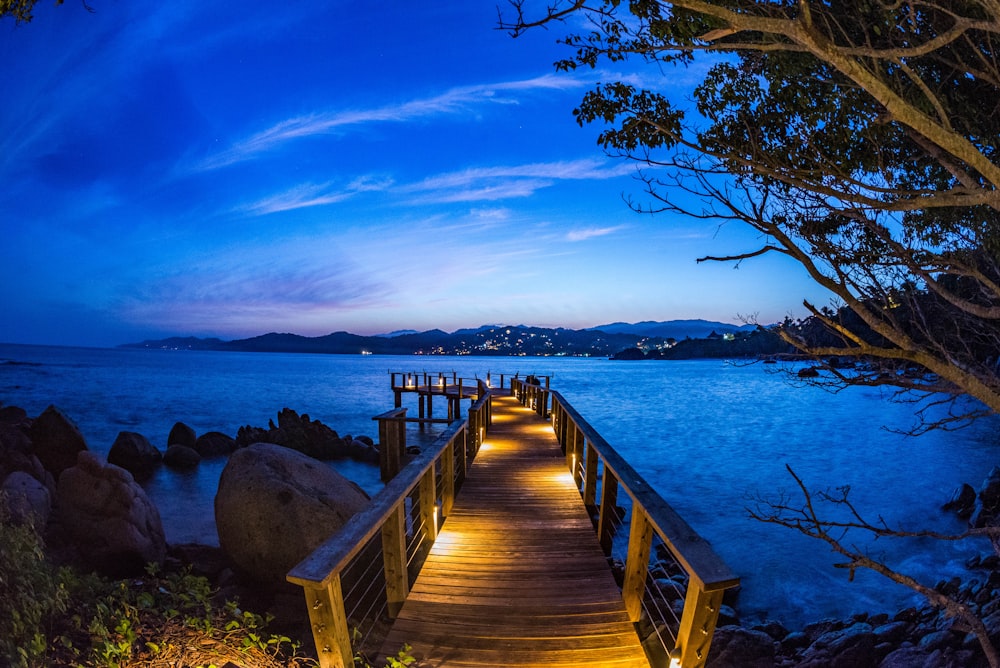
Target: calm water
(707, 434)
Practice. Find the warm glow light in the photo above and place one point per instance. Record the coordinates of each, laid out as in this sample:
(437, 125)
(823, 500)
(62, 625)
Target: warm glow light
(675, 662)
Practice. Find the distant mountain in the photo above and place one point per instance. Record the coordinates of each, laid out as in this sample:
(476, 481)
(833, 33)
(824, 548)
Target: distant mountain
(603, 341)
(398, 332)
(674, 329)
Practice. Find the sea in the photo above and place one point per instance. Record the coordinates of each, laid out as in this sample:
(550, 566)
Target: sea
(713, 437)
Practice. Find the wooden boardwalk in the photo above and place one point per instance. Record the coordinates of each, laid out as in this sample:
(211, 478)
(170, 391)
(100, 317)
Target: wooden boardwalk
(516, 576)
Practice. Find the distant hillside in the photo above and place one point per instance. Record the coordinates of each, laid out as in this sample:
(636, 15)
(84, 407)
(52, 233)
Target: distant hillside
(486, 340)
(674, 329)
(603, 341)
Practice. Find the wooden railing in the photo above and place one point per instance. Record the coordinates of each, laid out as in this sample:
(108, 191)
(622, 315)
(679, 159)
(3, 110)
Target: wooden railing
(665, 560)
(359, 578)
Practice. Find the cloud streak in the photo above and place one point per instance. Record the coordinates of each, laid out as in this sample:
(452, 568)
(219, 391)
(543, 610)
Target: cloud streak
(309, 195)
(453, 101)
(592, 232)
(504, 182)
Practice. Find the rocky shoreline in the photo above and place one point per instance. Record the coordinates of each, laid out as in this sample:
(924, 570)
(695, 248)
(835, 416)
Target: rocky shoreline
(97, 517)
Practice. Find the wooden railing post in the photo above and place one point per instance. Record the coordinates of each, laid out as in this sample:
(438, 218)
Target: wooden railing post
(329, 625)
(590, 478)
(397, 579)
(463, 452)
(448, 479)
(701, 612)
(392, 442)
(609, 510)
(640, 541)
(428, 504)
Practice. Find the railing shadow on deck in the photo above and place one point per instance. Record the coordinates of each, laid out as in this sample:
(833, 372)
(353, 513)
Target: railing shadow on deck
(672, 580)
(357, 580)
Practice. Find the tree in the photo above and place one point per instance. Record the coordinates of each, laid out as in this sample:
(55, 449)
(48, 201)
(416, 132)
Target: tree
(20, 10)
(859, 137)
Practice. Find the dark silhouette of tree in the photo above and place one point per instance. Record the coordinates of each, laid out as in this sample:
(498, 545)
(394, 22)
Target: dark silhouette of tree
(858, 137)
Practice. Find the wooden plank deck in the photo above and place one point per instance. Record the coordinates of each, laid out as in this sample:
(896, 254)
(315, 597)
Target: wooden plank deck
(516, 576)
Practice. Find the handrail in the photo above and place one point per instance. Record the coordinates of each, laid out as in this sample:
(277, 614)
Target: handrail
(320, 573)
(707, 574)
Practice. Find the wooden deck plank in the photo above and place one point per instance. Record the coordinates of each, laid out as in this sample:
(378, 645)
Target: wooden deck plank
(517, 577)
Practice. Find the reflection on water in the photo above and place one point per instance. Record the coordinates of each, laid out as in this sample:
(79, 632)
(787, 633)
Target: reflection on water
(709, 436)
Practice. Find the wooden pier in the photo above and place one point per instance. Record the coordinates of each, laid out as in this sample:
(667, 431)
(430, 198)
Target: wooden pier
(494, 547)
(516, 576)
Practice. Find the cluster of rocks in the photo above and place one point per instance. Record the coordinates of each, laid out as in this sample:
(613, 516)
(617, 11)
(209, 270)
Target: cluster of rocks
(310, 437)
(273, 506)
(925, 637)
(93, 511)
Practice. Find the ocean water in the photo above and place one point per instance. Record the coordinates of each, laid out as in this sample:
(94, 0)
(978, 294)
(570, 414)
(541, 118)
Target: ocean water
(709, 435)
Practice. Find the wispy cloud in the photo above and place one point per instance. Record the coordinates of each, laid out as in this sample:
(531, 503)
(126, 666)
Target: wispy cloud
(591, 232)
(453, 101)
(504, 182)
(311, 194)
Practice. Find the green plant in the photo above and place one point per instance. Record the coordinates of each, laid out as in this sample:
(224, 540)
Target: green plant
(32, 594)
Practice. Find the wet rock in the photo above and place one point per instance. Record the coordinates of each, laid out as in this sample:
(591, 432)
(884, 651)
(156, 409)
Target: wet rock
(963, 501)
(134, 453)
(181, 457)
(181, 434)
(56, 440)
(737, 647)
(214, 444)
(13, 415)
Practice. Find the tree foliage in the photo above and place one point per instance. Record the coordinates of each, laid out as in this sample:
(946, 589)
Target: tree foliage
(859, 137)
(19, 10)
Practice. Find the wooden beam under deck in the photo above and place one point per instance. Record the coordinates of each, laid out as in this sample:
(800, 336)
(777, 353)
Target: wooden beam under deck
(517, 576)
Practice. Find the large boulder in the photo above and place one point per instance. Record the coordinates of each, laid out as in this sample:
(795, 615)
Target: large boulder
(275, 506)
(181, 434)
(57, 440)
(134, 453)
(107, 515)
(181, 457)
(25, 499)
(214, 444)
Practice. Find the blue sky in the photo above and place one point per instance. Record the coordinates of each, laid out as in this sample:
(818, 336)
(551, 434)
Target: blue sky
(230, 169)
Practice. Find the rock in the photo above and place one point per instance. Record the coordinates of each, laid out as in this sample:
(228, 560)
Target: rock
(181, 434)
(13, 415)
(850, 647)
(13, 438)
(275, 506)
(112, 522)
(25, 499)
(893, 632)
(989, 493)
(963, 501)
(737, 647)
(214, 444)
(134, 453)
(181, 457)
(776, 630)
(914, 657)
(56, 441)
(310, 437)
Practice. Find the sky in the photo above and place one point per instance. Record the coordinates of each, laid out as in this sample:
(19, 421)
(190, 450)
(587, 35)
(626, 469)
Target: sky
(231, 169)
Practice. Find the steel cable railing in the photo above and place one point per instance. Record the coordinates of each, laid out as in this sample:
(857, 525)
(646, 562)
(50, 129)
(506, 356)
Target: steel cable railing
(672, 581)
